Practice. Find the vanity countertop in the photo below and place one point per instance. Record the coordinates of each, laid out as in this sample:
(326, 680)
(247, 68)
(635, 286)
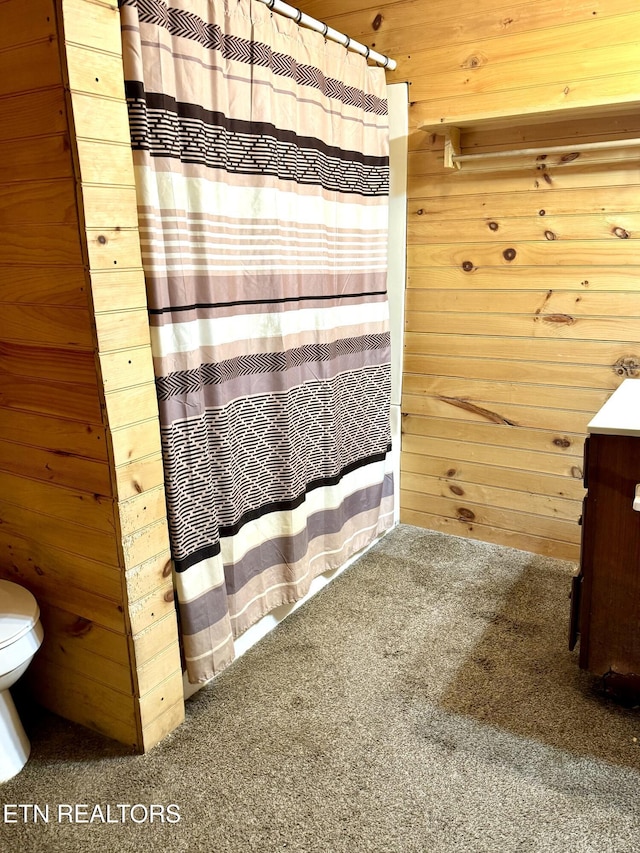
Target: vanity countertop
(620, 415)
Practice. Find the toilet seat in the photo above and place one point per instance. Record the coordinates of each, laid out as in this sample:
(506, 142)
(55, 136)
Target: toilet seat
(19, 613)
(21, 634)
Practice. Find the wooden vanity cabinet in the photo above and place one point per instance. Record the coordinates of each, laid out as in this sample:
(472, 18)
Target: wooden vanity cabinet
(605, 601)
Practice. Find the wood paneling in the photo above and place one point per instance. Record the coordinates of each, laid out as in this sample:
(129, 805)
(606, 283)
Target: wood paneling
(29, 159)
(27, 113)
(29, 66)
(81, 697)
(438, 22)
(488, 472)
(107, 201)
(507, 536)
(92, 638)
(41, 202)
(544, 181)
(522, 312)
(508, 459)
(75, 364)
(65, 439)
(500, 208)
(56, 501)
(51, 571)
(53, 465)
(508, 414)
(544, 303)
(47, 363)
(28, 278)
(621, 358)
(504, 370)
(523, 274)
(16, 28)
(58, 531)
(62, 399)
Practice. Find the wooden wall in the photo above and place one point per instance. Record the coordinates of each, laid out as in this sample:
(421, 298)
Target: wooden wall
(82, 507)
(522, 313)
(522, 307)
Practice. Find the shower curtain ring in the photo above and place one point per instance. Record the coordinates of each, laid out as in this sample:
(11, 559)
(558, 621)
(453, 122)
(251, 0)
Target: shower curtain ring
(347, 43)
(368, 49)
(325, 30)
(299, 16)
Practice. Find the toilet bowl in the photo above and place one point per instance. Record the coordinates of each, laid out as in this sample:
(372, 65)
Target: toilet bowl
(20, 638)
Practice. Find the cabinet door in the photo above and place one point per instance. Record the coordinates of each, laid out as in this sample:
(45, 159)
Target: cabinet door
(576, 586)
(577, 623)
(610, 605)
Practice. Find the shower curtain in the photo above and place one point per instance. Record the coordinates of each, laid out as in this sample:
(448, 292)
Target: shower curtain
(261, 161)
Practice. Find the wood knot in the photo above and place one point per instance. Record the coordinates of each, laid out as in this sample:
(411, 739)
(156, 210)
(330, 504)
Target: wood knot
(465, 514)
(509, 254)
(567, 158)
(547, 178)
(169, 595)
(467, 266)
(472, 61)
(377, 21)
(102, 239)
(80, 627)
(467, 406)
(627, 366)
(541, 212)
(451, 472)
(493, 226)
(561, 319)
(456, 490)
(420, 212)
(576, 472)
(621, 233)
(562, 442)
(549, 235)
(166, 571)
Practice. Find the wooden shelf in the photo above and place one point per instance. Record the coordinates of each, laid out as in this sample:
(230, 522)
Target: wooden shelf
(452, 131)
(498, 120)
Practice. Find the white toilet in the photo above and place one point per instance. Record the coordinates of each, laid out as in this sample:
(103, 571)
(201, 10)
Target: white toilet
(20, 638)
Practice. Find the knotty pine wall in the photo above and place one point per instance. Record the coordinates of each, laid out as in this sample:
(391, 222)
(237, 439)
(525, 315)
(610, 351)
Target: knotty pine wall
(82, 511)
(506, 360)
(522, 303)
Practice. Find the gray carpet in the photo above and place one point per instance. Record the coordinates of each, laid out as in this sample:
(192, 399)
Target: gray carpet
(424, 701)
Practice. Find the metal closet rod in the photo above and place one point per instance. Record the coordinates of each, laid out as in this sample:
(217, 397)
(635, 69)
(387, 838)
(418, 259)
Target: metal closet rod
(328, 32)
(554, 149)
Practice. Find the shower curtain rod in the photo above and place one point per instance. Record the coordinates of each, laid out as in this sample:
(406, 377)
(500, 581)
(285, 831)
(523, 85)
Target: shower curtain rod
(329, 33)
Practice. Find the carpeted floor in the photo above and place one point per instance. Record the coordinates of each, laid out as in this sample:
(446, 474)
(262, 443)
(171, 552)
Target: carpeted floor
(424, 701)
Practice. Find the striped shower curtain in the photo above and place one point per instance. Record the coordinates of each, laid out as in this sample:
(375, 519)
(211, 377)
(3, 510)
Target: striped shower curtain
(261, 160)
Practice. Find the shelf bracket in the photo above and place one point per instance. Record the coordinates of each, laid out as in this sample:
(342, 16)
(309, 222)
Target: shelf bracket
(451, 147)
